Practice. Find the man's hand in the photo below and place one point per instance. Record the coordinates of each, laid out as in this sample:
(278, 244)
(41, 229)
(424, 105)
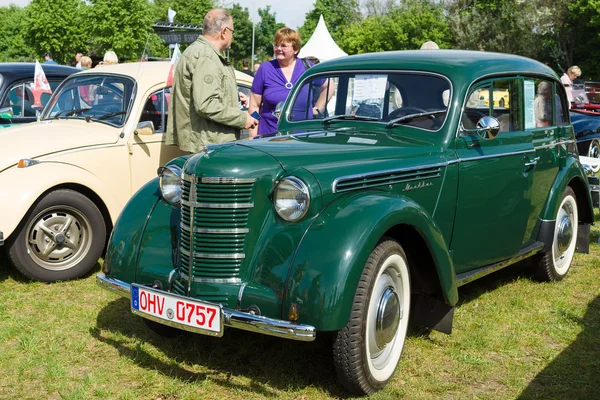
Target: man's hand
(251, 123)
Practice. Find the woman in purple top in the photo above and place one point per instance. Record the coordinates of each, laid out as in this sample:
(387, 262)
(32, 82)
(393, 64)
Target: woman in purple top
(274, 80)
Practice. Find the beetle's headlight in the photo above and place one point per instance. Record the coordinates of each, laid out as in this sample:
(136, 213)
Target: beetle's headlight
(169, 181)
(291, 198)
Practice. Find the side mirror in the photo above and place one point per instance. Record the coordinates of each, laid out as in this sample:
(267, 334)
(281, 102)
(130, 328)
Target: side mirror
(6, 113)
(144, 128)
(487, 128)
(278, 110)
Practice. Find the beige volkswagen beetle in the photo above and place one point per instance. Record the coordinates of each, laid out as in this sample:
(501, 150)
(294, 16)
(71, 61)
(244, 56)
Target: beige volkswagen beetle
(66, 178)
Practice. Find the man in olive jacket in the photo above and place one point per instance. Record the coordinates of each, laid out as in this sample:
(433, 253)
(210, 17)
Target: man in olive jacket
(204, 105)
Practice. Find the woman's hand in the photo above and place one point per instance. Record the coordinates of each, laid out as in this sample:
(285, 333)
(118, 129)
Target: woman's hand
(255, 102)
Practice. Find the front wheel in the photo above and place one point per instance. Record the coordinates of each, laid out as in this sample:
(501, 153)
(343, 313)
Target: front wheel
(60, 239)
(594, 152)
(367, 350)
(554, 264)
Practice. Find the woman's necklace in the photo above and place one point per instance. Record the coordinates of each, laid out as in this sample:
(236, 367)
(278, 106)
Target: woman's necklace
(289, 83)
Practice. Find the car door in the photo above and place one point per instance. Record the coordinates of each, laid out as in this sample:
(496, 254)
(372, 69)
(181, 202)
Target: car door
(148, 152)
(495, 178)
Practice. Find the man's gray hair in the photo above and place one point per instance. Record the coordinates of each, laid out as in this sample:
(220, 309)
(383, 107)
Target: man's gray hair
(215, 20)
(430, 45)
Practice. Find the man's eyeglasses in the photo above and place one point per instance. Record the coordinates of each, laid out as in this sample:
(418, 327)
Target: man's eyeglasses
(230, 30)
(282, 46)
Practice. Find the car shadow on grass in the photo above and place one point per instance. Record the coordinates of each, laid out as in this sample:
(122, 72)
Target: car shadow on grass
(269, 363)
(575, 372)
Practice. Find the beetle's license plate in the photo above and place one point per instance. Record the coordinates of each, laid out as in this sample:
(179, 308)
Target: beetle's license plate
(178, 311)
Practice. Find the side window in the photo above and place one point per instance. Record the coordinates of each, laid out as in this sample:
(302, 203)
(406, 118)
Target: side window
(16, 100)
(498, 99)
(155, 110)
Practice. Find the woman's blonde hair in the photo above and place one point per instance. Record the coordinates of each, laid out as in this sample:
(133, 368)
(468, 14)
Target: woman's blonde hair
(86, 62)
(575, 70)
(286, 34)
(110, 58)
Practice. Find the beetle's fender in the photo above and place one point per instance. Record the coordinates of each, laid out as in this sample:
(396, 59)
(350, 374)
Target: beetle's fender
(27, 185)
(330, 258)
(570, 175)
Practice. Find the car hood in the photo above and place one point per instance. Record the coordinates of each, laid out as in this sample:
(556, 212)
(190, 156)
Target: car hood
(329, 155)
(47, 137)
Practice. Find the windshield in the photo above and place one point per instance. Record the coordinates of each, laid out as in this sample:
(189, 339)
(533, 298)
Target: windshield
(404, 98)
(93, 98)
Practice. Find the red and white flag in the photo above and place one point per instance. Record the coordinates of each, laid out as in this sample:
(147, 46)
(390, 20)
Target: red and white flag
(40, 84)
(174, 58)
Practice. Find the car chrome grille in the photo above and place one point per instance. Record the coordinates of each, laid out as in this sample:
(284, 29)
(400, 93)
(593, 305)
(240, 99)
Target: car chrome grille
(384, 178)
(214, 220)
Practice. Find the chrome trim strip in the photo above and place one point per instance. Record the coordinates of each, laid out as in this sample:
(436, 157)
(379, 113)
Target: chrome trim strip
(171, 279)
(240, 293)
(193, 254)
(215, 180)
(183, 275)
(192, 198)
(216, 205)
(208, 230)
(388, 172)
(1, 238)
(466, 277)
(551, 145)
(231, 318)
(515, 153)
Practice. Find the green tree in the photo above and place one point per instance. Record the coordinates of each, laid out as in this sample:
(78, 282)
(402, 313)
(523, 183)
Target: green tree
(407, 26)
(241, 47)
(188, 12)
(124, 26)
(57, 26)
(338, 15)
(265, 31)
(12, 32)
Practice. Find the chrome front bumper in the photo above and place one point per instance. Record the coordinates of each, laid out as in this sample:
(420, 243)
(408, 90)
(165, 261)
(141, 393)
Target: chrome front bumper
(232, 318)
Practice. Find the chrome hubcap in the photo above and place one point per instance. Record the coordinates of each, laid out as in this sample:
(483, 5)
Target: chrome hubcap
(388, 318)
(564, 234)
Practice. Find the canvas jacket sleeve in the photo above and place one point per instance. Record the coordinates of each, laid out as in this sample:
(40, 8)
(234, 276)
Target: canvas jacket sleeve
(215, 92)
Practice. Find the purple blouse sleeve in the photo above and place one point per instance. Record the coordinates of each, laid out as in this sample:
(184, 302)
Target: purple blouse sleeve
(258, 84)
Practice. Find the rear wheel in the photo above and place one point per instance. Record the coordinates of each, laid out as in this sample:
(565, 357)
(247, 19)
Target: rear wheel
(367, 350)
(554, 265)
(594, 152)
(60, 239)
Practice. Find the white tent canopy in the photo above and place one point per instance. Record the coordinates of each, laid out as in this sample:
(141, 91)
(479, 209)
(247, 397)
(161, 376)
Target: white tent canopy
(321, 45)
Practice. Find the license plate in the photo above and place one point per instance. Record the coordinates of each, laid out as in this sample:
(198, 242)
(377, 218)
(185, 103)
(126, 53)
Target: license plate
(177, 311)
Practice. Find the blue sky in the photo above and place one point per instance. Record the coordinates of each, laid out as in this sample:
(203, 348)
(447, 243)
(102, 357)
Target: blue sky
(291, 13)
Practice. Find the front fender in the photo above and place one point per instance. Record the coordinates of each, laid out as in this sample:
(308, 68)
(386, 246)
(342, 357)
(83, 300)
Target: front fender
(26, 185)
(330, 258)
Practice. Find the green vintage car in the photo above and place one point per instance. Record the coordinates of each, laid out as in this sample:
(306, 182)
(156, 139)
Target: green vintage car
(385, 189)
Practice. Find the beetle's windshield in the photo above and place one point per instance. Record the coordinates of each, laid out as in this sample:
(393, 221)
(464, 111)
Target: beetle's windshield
(93, 98)
(379, 97)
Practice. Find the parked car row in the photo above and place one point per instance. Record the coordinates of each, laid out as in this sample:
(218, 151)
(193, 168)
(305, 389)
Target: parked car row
(100, 138)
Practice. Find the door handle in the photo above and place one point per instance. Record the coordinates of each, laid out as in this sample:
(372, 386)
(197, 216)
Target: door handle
(533, 162)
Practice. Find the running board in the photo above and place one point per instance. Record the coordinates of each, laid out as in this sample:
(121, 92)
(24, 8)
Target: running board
(526, 252)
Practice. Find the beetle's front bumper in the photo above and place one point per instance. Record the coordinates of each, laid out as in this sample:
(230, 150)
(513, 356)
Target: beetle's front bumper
(232, 318)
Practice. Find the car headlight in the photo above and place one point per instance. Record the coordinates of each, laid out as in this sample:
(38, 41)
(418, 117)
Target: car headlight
(291, 198)
(169, 181)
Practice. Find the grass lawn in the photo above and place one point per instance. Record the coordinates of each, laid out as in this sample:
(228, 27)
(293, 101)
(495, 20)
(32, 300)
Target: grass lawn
(513, 338)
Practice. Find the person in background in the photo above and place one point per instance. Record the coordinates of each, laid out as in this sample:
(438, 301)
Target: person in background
(430, 45)
(110, 58)
(274, 80)
(567, 79)
(204, 105)
(256, 66)
(542, 105)
(48, 58)
(78, 60)
(85, 62)
(245, 68)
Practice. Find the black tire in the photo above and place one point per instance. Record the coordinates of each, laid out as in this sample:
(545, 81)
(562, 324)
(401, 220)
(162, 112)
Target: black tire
(555, 264)
(367, 350)
(60, 238)
(162, 330)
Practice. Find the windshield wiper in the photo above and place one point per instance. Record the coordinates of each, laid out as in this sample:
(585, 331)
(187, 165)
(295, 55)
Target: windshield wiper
(413, 116)
(109, 115)
(72, 112)
(349, 116)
